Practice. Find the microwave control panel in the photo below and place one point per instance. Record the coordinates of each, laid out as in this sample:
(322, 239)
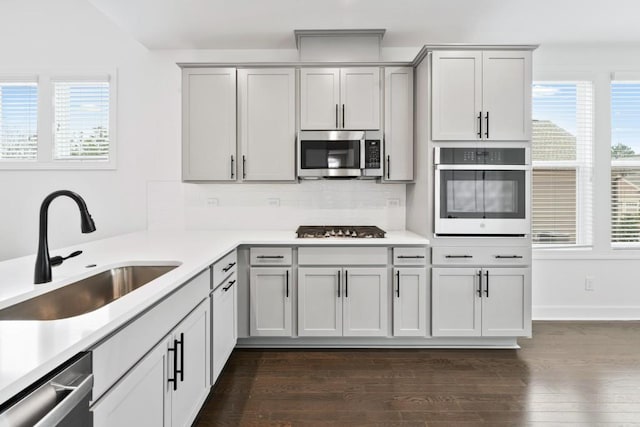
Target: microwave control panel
(372, 154)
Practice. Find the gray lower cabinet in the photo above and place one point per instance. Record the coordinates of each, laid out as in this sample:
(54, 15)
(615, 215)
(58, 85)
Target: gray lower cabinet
(469, 302)
(271, 293)
(336, 301)
(224, 303)
(168, 386)
(410, 302)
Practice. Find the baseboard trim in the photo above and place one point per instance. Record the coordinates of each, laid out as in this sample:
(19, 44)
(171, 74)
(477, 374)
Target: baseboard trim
(585, 312)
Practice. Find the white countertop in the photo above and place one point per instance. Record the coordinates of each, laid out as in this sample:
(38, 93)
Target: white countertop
(30, 349)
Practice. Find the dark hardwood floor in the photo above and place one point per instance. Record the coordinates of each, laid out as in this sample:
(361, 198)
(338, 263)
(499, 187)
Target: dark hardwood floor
(581, 373)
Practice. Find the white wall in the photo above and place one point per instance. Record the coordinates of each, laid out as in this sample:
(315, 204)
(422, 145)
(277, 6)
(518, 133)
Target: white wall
(559, 275)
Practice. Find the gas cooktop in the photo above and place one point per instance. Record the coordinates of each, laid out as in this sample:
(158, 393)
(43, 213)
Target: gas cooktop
(354, 231)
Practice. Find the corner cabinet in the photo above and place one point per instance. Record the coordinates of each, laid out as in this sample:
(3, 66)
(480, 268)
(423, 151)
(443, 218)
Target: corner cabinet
(209, 124)
(398, 124)
(481, 95)
(271, 293)
(266, 124)
(340, 98)
(471, 302)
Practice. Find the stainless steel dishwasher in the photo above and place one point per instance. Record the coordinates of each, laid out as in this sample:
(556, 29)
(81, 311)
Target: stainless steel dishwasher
(59, 399)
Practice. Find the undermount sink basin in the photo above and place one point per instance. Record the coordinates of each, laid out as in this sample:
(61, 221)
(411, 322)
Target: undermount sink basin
(85, 295)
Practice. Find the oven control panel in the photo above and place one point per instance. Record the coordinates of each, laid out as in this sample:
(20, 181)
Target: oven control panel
(481, 156)
(372, 154)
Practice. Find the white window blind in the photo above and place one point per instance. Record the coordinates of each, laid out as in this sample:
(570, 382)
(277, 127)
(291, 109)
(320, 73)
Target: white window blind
(625, 163)
(18, 121)
(562, 163)
(81, 120)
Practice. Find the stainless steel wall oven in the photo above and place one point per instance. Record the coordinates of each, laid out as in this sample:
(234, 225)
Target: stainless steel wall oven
(482, 191)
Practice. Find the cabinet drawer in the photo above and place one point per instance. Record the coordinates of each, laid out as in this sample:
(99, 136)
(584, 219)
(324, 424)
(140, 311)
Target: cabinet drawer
(409, 256)
(224, 267)
(270, 256)
(486, 255)
(342, 256)
(115, 356)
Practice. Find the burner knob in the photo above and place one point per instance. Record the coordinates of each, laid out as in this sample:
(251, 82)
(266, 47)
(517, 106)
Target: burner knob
(354, 233)
(340, 232)
(327, 234)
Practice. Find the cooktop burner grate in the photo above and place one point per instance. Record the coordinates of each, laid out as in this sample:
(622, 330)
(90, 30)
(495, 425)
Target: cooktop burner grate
(349, 231)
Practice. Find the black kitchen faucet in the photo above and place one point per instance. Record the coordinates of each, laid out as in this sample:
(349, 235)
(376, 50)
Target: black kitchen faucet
(43, 260)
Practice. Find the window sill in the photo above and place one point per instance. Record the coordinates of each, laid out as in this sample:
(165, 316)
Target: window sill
(61, 165)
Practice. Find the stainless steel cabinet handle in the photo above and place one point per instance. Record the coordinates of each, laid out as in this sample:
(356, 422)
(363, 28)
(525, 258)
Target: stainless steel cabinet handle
(230, 284)
(508, 256)
(479, 274)
(244, 166)
(388, 166)
(270, 256)
(480, 125)
(232, 162)
(228, 267)
(398, 280)
(486, 290)
(458, 256)
(487, 131)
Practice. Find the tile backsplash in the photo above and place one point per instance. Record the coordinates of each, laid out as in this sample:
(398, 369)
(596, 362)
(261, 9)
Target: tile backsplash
(178, 205)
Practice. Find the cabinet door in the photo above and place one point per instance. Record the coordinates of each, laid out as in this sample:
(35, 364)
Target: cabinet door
(225, 328)
(270, 300)
(506, 302)
(457, 95)
(366, 302)
(456, 305)
(142, 397)
(319, 98)
(193, 380)
(360, 98)
(398, 124)
(506, 95)
(209, 124)
(410, 302)
(320, 302)
(267, 124)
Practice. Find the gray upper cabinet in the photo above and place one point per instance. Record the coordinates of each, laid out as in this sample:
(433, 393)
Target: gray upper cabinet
(481, 95)
(209, 124)
(266, 124)
(340, 98)
(398, 124)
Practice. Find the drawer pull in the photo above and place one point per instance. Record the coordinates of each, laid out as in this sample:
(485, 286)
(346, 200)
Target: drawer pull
(508, 256)
(410, 256)
(458, 256)
(270, 256)
(228, 267)
(230, 284)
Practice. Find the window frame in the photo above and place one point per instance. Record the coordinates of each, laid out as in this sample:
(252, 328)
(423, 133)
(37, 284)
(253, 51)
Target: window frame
(46, 119)
(584, 170)
(621, 77)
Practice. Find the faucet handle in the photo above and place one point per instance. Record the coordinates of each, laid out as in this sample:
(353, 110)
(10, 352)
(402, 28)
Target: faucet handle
(57, 260)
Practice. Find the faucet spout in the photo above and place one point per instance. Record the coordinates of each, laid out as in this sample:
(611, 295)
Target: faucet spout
(42, 272)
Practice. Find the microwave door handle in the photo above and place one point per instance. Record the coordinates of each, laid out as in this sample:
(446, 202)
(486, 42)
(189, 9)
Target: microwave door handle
(362, 153)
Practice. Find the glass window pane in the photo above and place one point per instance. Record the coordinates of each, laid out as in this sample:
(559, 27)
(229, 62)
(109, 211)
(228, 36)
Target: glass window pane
(18, 121)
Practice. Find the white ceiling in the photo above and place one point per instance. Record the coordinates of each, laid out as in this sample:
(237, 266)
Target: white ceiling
(269, 24)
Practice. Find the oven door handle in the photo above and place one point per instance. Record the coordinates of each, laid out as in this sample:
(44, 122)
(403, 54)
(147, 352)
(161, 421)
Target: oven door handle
(484, 167)
(362, 156)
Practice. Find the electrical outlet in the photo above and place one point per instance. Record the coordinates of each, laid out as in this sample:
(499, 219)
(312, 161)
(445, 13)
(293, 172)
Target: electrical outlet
(393, 203)
(273, 202)
(588, 284)
(212, 201)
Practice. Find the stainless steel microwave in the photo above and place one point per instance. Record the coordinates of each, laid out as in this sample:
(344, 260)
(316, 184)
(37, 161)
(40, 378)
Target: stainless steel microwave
(339, 154)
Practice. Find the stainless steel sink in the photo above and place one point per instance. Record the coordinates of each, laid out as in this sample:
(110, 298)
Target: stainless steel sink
(85, 295)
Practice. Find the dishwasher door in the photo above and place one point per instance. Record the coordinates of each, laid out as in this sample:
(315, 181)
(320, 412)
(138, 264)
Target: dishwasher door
(59, 399)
